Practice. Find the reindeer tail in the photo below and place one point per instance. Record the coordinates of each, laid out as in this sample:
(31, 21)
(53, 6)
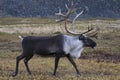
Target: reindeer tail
(21, 37)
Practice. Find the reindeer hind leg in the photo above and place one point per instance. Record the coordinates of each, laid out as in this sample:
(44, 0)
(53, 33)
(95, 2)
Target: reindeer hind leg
(26, 63)
(17, 64)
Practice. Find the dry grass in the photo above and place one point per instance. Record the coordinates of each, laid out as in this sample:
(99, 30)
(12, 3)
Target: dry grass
(102, 63)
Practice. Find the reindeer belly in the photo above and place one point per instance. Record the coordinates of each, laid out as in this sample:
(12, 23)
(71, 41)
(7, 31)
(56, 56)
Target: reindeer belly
(45, 51)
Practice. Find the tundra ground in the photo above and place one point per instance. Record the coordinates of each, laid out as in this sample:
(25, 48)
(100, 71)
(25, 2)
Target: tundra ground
(101, 63)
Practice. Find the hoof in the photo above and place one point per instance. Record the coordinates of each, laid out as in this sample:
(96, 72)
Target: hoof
(54, 74)
(14, 74)
(78, 74)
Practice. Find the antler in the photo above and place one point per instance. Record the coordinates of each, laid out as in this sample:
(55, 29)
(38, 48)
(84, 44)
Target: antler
(73, 22)
(60, 14)
(66, 19)
(74, 33)
(77, 15)
(94, 32)
(66, 16)
(71, 32)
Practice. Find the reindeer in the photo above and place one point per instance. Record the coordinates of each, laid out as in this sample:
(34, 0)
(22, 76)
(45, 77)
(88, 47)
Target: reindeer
(58, 45)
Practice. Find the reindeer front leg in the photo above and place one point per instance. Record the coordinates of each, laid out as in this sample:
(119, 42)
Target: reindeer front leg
(57, 58)
(73, 63)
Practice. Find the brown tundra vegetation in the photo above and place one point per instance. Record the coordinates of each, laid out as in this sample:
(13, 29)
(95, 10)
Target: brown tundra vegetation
(101, 63)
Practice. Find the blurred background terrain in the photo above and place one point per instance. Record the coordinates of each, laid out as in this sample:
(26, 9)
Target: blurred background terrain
(48, 8)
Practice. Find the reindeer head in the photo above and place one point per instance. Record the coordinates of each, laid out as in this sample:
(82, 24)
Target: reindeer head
(87, 41)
